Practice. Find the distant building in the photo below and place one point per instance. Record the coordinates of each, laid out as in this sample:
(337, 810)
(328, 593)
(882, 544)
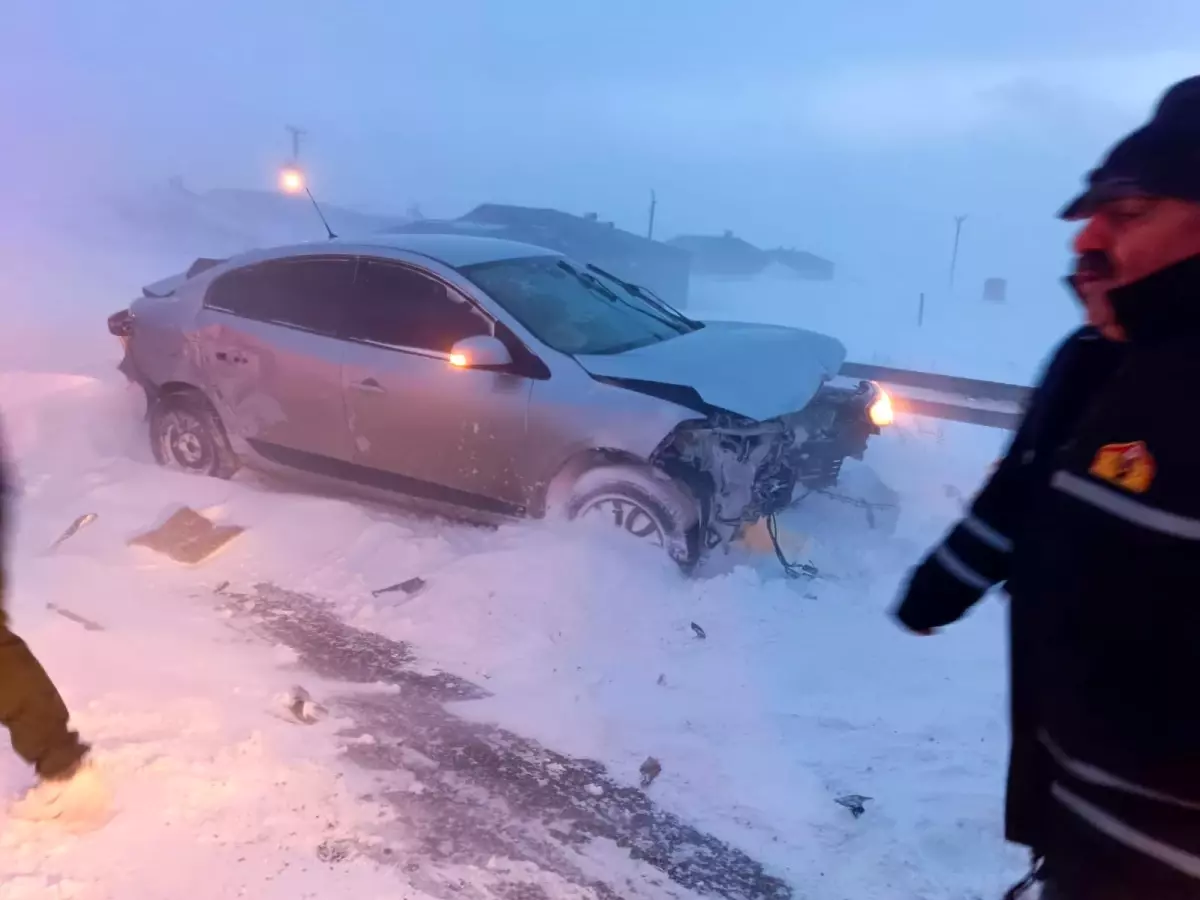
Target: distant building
(805, 264)
(729, 256)
(658, 266)
(725, 255)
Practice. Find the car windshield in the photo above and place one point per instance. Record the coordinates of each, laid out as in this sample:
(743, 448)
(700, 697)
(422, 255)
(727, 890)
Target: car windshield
(572, 309)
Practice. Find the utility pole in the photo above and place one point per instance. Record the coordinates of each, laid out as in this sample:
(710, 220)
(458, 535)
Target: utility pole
(653, 204)
(296, 134)
(958, 223)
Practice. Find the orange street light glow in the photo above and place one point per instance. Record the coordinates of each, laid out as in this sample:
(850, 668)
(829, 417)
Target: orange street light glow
(291, 181)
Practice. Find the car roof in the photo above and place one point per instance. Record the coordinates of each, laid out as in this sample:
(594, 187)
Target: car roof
(453, 250)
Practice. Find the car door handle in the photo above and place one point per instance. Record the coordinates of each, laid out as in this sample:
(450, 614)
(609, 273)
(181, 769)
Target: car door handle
(370, 385)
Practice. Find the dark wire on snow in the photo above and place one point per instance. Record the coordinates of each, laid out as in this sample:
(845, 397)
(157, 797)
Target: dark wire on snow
(793, 570)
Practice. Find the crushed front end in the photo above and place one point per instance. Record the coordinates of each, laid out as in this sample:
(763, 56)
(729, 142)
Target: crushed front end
(742, 470)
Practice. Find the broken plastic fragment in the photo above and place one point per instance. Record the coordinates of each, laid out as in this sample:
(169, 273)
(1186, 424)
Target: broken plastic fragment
(854, 803)
(411, 587)
(302, 706)
(81, 522)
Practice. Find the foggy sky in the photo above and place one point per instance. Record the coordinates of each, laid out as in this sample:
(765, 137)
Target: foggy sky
(856, 130)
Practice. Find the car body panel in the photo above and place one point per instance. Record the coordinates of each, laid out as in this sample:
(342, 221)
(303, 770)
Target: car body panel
(572, 413)
(757, 371)
(274, 384)
(456, 434)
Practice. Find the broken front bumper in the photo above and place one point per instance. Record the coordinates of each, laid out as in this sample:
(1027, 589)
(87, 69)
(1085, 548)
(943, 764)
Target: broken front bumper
(743, 470)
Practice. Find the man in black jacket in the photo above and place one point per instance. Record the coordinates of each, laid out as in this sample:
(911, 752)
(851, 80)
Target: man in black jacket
(38, 723)
(1093, 521)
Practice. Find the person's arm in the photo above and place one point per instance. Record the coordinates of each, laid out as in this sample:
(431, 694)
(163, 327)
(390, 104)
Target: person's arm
(975, 555)
(4, 523)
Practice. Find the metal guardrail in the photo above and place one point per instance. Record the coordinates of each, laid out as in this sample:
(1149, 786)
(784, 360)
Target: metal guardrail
(947, 384)
(993, 404)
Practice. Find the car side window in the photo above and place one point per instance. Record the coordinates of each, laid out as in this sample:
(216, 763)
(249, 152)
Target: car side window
(400, 306)
(303, 292)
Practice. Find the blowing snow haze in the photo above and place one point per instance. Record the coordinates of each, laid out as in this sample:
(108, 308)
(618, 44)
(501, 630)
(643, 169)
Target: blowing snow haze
(294, 691)
(857, 135)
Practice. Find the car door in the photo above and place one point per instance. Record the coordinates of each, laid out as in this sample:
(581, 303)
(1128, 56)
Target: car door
(273, 358)
(419, 424)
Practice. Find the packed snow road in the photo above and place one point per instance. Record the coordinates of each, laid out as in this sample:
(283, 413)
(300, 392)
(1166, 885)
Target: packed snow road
(467, 795)
(485, 737)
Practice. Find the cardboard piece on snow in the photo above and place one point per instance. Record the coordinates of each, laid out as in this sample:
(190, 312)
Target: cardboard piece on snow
(187, 537)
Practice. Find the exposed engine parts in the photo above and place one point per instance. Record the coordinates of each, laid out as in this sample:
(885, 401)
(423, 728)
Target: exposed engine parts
(742, 470)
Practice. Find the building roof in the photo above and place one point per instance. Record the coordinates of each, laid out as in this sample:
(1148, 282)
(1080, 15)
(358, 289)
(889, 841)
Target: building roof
(728, 254)
(724, 254)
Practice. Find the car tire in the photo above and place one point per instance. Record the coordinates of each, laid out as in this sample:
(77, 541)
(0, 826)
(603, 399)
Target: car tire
(186, 435)
(644, 505)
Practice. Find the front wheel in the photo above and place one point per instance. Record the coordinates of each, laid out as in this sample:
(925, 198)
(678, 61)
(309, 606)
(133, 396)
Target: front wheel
(642, 506)
(186, 435)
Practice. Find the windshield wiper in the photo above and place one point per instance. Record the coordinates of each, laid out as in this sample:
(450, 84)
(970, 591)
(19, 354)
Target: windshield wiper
(644, 293)
(595, 284)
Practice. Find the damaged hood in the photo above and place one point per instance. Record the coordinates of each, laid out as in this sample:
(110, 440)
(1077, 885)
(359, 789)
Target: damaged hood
(757, 371)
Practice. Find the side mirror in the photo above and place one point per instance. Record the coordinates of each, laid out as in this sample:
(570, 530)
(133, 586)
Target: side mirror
(480, 352)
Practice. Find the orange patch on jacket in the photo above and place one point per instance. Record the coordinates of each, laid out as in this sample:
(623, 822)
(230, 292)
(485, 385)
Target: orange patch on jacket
(1128, 466)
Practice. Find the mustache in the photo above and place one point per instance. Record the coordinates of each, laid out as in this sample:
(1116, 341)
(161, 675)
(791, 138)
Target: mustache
(1089, 264)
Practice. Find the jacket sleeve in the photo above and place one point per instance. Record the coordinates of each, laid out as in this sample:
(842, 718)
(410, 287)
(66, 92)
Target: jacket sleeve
(5, 521)
(975, 555)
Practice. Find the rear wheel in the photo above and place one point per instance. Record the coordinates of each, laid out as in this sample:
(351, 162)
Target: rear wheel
(187, 435)
(642, 506)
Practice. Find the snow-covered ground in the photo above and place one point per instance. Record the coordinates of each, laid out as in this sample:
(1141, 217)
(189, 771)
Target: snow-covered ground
(799, 692)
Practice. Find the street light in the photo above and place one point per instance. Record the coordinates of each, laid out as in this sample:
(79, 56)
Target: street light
(292, 181)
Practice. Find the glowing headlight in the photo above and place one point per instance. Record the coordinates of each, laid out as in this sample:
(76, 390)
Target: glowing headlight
(881, 411)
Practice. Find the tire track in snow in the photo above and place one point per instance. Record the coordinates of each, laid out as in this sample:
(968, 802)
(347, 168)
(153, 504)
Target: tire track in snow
(488, 794)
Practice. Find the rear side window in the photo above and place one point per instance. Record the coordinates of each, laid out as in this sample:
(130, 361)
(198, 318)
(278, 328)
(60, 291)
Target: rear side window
(401, 307)
(307, 292)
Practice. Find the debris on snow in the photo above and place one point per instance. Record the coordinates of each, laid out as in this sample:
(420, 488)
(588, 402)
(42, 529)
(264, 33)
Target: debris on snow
(409, 588)
(854, 803)
(302, 706)
(187, 537)
(334, 851)
(75, 617)
(81, 522)
(650, 770)
(700, 633)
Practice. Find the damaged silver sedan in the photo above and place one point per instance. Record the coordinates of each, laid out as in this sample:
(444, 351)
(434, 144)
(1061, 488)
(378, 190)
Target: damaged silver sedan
(492, 380)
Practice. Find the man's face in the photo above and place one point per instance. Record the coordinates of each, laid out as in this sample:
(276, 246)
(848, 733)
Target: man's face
(1126, 240)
